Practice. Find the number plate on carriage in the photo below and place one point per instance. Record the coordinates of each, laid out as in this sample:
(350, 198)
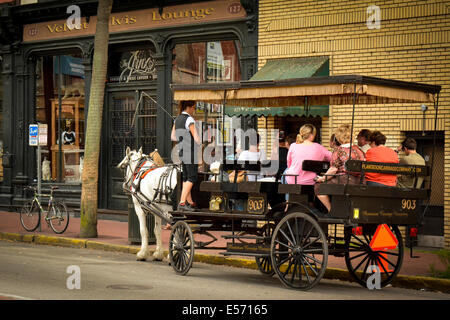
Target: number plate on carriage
(255, 205)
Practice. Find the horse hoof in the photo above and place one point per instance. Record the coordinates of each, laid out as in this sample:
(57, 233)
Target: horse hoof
(140, 259)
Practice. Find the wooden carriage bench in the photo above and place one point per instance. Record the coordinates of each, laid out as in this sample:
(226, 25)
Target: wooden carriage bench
(377, 204)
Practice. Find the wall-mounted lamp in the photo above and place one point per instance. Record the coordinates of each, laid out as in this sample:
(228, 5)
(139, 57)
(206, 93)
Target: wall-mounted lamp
(423, 108)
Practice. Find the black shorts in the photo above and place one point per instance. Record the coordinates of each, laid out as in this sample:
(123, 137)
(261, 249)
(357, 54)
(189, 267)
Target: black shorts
(190, 172)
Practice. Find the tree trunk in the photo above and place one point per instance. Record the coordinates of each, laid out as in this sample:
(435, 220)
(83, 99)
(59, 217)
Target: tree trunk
(89, 190)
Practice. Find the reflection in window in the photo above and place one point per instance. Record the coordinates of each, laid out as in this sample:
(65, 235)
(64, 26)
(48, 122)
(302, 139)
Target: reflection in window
(205, 62)
(68, 118)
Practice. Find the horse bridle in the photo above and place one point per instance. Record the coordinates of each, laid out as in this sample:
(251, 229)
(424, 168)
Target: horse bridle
(139, 161)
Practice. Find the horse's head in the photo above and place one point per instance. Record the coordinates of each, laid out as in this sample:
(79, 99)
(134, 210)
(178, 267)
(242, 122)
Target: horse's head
(131, 159)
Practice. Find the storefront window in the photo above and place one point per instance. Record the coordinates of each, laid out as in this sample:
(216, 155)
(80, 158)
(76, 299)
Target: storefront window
(65, 123)
(206, 62)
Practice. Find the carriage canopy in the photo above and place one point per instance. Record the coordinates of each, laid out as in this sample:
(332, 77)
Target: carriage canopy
(313, 91)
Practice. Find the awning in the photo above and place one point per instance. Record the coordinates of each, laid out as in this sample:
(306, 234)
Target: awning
(313, 91)
(280, 69)
(313, 111)
(293, 68)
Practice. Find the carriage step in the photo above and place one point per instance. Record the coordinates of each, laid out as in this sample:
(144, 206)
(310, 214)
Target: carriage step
(244, 237)
(259, 255)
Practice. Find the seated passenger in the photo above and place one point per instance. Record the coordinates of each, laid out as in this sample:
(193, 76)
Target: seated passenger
(379, 153)
(253, 155)
(304, 149)
(411, 157)
(339, 157)
(363, 140)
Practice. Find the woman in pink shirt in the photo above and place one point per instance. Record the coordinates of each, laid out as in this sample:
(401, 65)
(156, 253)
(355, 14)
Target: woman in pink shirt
(304, 149)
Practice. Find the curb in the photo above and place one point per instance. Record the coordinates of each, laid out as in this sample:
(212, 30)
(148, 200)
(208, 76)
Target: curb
(400, 281)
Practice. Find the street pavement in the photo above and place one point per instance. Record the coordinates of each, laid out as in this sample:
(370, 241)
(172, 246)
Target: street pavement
(116, 233)
(30, 271)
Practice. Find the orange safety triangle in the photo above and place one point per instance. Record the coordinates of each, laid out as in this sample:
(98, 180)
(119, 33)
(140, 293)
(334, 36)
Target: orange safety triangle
(383, 239)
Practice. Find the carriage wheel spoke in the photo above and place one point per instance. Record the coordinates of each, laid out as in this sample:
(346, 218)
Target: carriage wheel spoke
(279, 263)
(358, 255)
(313, 269)
(292, 234)
(306, 271)
(361, 262)
(284, 244)
(385, 259)
(382, 265)
(390, 253)
(294, 271)
(313, 259)
(288, 268)
(360, 241)
(312, 242)
(311, 228)
(365, 275)
(287, 238)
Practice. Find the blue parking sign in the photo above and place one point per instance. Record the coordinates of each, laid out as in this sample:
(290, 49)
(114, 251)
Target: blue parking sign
(33, 134)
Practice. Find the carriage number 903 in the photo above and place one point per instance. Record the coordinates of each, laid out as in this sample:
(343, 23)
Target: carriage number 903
(408, 204)
(241, 309)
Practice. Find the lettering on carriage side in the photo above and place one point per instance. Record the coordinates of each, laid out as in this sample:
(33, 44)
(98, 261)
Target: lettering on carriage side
(193, 310)
(408, 204)
(74, 280)
(374, 280)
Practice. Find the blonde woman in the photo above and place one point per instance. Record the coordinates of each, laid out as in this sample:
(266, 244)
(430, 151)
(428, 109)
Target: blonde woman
(337, 164)
(304, 149)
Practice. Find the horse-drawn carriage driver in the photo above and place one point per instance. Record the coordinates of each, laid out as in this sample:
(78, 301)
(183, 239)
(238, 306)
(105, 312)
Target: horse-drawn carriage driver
(184, 132)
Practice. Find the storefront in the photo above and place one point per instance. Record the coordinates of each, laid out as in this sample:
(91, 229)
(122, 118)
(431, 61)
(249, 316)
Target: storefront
(47, 72)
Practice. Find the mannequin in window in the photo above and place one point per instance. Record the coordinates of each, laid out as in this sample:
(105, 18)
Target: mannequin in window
(68, 136)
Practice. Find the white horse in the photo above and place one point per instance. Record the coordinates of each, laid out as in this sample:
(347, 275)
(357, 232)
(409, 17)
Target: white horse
(148, 183)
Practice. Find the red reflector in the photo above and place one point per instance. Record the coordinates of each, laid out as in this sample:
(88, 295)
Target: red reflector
(358, 231)
(413, 232)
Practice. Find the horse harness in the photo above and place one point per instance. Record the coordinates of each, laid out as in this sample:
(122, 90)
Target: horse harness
(144, 167)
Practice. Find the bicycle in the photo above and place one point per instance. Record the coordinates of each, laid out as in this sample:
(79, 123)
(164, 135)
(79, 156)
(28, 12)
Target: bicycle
(56, 215)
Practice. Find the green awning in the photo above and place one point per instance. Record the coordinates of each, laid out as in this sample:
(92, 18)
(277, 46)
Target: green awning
(279, 69)
(314, 111)
(291, 68)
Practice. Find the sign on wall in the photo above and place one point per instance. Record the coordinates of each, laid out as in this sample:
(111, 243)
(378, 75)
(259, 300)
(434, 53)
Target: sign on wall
(136, 65)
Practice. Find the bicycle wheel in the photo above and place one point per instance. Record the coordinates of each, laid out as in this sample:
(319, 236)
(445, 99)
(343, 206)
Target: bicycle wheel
(58, 217)
(30, 215)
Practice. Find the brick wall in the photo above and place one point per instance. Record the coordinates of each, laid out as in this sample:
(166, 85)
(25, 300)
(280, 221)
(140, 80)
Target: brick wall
(412, 44)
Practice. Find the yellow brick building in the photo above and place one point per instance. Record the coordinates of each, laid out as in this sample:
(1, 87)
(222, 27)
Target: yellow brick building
(412, 43)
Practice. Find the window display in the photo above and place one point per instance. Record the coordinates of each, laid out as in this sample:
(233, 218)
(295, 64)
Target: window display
(66, 123)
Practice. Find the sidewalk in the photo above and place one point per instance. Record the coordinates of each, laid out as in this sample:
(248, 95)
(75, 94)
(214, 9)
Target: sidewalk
(113, 235)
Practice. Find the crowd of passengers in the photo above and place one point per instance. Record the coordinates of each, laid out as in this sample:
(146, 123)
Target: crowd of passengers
(371, 147)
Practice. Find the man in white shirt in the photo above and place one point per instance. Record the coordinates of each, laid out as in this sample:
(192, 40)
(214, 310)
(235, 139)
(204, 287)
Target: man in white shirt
(253, 154)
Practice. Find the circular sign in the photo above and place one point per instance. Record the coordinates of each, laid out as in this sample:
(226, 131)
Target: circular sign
(235, 7)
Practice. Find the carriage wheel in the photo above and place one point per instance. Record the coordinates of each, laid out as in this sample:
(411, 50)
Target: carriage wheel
(181, 247)
(299, 251)
(359, 256)
(265, 263)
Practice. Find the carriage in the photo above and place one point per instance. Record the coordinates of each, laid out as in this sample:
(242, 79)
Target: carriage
(294, 239)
